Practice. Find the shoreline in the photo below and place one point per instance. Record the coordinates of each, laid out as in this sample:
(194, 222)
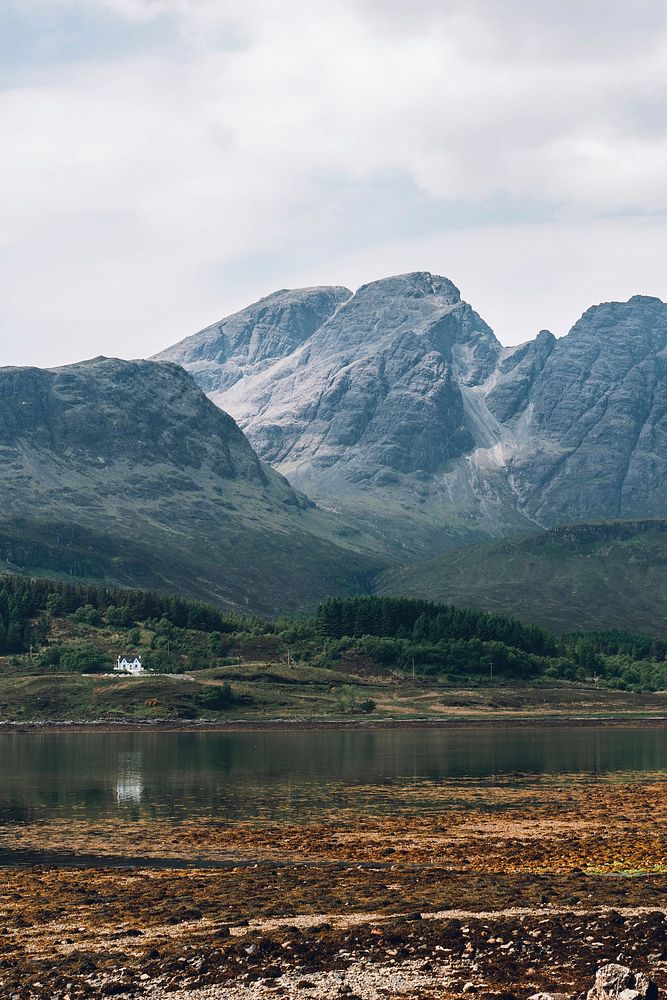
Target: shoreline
(303, 725)
(519, 891)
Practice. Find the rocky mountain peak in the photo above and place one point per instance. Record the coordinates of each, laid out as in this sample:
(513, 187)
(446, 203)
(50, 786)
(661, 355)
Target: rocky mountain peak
(404, 386)
(641, 318)
(124, 471)
(375, 387)
(246, 341)
(413, 284)
(646, 300)
(106, 412)
(595, 436)
(406, 305)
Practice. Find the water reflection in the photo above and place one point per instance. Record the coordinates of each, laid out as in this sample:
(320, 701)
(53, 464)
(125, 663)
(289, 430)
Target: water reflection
(130, 781)
(296, 774)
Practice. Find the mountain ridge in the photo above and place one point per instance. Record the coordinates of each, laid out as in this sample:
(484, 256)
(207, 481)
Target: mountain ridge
(124, 471)
(403, 411)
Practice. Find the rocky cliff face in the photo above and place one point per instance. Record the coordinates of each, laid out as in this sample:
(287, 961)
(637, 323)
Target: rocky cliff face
(125, 471)
(398, 405)
(594, 424)
(376, 389)
(251, 339)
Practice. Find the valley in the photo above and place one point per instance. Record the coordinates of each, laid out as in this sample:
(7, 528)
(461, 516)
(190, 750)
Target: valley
(422, 459)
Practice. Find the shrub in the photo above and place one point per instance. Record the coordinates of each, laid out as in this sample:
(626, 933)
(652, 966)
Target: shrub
(87, 615)
(215, 699)
(84, 660)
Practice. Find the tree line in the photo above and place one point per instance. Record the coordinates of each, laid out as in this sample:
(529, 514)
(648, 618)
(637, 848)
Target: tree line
(395, 633)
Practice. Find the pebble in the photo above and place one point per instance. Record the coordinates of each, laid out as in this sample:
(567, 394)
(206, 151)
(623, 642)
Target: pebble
(362, 980)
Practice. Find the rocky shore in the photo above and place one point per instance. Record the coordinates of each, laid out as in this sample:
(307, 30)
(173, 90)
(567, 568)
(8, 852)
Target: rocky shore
(530, 886)
(645, 716)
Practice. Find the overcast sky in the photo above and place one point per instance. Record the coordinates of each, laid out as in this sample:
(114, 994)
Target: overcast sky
(165, 162)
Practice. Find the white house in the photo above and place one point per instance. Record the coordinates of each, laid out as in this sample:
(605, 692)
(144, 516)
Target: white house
(125, 666)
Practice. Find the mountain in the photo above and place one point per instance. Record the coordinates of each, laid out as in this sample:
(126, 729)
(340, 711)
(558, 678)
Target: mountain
(247, 342)
(592, 431)
(585, 576)
(124, 472)
(398, 407)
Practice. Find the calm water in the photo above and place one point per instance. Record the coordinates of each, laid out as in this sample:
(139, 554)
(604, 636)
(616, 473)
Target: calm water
(293, 774)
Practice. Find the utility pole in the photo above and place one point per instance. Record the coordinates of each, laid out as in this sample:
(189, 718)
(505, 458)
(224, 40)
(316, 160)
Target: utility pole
(289, 658)
(413, 668)
(491, 669)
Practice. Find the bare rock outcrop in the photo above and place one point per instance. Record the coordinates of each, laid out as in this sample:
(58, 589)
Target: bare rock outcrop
(618, 982)
(613, 982)
(399, 398)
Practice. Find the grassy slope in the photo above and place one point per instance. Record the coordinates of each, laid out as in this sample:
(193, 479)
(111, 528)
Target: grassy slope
(586, 577)
(285, 566)
(266, 687)
(294, 693)
(125, 473)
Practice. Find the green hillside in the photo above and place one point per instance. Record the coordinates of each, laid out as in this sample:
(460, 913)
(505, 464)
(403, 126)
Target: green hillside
(124, 473)
(582, 577)
(355, 656)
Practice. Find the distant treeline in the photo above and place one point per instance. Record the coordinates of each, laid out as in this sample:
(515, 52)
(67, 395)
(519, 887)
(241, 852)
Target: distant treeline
(395, 633)
(23, 599)
(426, 622)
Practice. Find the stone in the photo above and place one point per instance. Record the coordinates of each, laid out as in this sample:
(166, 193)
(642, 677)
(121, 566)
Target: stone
(271, 328)
(613, 982)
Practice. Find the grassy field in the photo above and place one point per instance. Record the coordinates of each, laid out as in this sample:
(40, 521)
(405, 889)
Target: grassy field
(264, 691)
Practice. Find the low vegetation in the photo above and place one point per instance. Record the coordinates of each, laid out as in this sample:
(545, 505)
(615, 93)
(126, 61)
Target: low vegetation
(59, 643)
(581, 576)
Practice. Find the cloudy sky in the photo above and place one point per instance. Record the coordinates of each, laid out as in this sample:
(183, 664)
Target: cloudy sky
(165, 162)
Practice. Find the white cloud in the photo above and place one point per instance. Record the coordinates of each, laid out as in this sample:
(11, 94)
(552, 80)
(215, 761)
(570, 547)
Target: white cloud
(144, 195)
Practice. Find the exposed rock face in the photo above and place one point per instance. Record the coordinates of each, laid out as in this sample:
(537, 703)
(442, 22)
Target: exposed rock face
(516, 374)
(376, 389)
(126, 472)
(398, 405)
(94, 420)
(244, 343)
(594, 428)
